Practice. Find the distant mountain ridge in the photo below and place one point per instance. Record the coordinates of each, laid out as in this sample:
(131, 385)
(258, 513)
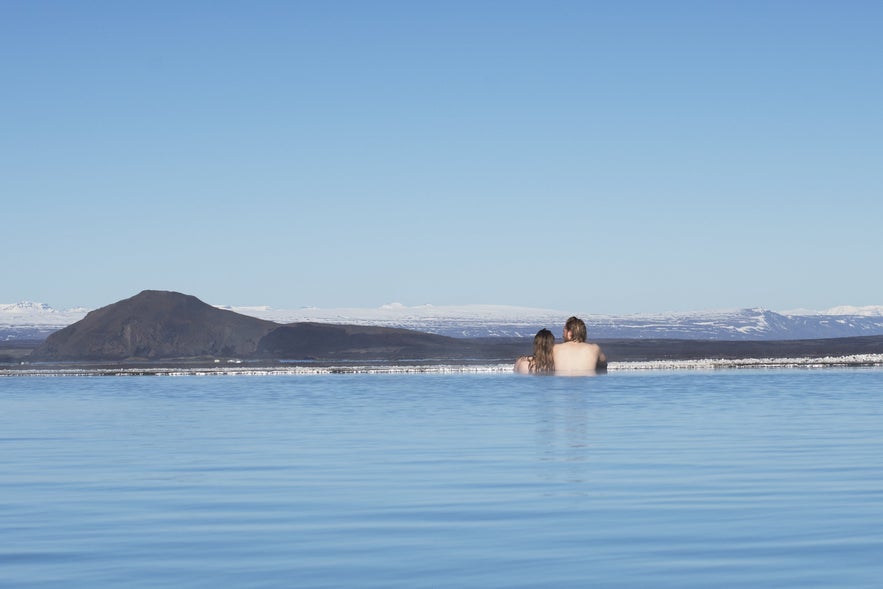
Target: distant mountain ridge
(500, 321)
(741, 325)
(36, 321)
(163, 326)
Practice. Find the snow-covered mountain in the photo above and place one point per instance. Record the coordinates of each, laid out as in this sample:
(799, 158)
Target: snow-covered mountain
(36, 321)
(27, 320)
(456, 321)
(867, 311)
(742, 324)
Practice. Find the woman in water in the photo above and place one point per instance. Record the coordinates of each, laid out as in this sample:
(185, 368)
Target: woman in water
(541, 361)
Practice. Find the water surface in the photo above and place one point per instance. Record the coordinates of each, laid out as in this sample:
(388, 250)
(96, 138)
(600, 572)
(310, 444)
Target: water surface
(761, 478)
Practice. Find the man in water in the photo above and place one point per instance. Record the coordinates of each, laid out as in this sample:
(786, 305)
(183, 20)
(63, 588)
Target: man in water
(576, 356)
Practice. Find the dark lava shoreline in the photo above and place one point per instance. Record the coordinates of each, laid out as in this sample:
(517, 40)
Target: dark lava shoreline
(642, 350)
(496, 354)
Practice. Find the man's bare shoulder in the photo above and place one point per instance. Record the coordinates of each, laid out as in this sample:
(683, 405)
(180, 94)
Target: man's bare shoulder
(576, 347)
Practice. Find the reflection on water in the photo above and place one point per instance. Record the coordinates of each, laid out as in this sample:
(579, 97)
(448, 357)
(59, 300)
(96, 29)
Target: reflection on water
(562, 435)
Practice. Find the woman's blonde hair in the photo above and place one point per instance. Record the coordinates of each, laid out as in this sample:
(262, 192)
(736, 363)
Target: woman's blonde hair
(542, 360)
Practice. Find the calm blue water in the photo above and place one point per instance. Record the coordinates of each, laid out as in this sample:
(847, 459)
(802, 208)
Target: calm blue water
(658, 479)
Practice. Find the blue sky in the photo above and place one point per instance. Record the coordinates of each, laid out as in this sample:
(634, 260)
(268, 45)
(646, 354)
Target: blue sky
(605, 157)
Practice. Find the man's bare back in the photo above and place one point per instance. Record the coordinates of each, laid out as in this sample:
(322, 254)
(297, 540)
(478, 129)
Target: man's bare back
(578, 358)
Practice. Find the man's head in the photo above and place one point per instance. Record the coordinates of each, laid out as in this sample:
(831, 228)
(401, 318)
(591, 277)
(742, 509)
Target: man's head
(575, 330)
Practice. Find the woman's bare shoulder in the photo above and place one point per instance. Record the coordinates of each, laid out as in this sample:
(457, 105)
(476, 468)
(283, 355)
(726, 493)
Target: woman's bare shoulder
(522, 365)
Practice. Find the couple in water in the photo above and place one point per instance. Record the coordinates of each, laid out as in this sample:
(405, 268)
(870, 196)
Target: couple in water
(572, 357)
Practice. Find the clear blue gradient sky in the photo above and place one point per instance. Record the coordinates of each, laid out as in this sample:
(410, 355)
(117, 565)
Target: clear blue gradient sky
(605, 157)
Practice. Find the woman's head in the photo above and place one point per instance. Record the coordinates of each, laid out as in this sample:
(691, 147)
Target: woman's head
(543, 342)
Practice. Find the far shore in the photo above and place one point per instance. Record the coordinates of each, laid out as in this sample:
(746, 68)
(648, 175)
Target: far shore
(238, 368)
(497, 355)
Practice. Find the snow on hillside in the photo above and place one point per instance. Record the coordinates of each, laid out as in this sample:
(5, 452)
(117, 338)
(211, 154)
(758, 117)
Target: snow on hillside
(458, 321)
(868, 311)
(36, 320)
(28, 320)
(507, 321)
(38, 314)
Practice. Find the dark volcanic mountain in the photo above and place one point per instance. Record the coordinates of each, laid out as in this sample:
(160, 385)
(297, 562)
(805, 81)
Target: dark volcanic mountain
(159, 325)
(154, 325)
